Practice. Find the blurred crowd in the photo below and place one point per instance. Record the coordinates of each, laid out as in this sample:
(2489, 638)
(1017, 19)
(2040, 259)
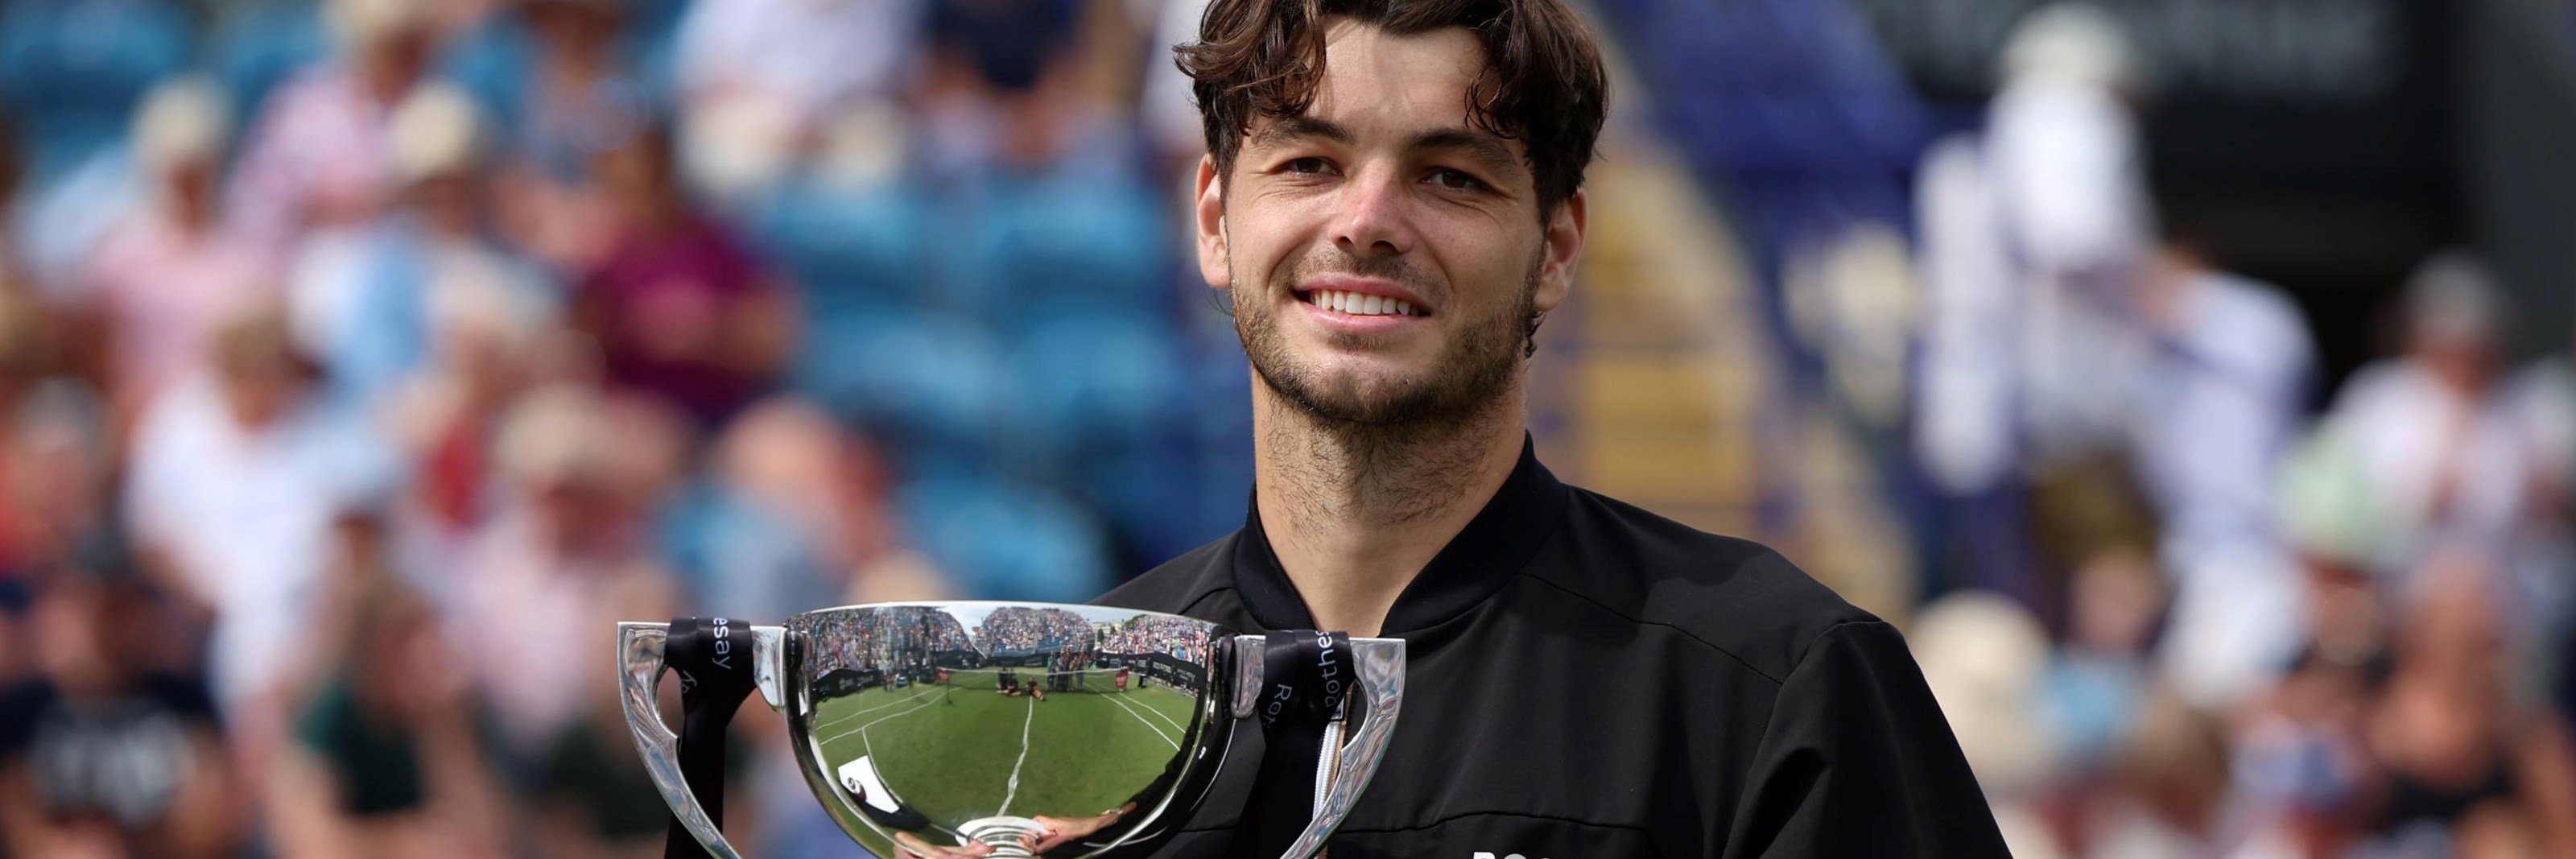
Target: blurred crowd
(2203, 600)
(1184, 640)
(884, 637)
(361, 361)
(1018, 629)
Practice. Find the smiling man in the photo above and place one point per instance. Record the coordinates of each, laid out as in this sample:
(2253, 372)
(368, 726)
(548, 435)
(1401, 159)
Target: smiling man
(1393, 198)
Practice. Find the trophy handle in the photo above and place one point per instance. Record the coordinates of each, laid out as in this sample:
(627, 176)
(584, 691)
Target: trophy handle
(1381, 670)
(640, 666)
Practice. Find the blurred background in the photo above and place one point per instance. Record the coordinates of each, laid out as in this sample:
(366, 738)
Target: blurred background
(2189, 377)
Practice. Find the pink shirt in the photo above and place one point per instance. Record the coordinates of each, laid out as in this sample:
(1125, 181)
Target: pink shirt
(165, 289)
(321, 143)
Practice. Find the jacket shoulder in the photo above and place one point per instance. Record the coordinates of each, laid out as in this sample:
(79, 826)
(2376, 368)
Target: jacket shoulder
(1728, 593)
(1177, 585)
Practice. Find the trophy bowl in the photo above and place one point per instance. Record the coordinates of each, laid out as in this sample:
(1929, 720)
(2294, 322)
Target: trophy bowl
(926, 727)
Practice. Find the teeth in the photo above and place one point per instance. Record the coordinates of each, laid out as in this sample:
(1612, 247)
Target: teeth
(1358, 304)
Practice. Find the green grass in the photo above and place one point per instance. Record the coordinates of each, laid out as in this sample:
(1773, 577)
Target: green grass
(950, 751)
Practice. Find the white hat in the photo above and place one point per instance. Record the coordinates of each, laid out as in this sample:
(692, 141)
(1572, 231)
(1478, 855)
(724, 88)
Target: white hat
(360, 24)
(437, 131)
(2452, 298)
(182, 119)
(2074, 43)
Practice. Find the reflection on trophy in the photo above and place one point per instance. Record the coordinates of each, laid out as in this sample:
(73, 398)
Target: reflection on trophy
(1027, 728)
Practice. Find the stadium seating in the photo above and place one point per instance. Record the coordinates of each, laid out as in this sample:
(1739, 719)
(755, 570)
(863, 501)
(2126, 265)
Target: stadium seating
(254, 50)
(1001, 540)
(71, 70)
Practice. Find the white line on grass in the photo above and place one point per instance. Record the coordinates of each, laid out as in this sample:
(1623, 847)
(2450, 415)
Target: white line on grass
(1166, 717)
(1149, 724)
(872, 722)
(1014, 790)
(915, 696)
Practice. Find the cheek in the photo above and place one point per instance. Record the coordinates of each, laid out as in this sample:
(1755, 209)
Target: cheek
(1485, 272)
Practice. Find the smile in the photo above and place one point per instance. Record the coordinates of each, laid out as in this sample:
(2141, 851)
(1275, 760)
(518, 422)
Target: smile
(1359, 304)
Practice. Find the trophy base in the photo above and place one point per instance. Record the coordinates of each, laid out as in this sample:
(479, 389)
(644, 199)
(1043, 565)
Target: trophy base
(1003, 834)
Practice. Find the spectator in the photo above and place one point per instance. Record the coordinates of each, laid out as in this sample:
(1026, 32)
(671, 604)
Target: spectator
(566, 79)
(484, 352)
(798, 518)
(568, 553)
(2226, 386)
(2169, 791)
(101, 756)
(2221, 390)
(2032, 235)
(367, 297)
(389, 760)
(320, 153)
(2428, 426)
(2460, 754)
(1984, 658)
(55, 474)
(678, 306)
(567, 547)
(759, 83)
(237, 476)
(172, 267)
(574, 87)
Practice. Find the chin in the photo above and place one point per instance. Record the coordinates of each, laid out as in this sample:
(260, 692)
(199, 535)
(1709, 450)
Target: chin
(1355, 397)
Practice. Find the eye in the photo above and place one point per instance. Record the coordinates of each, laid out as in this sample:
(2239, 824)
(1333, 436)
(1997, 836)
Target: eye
(1455, 180)
(1309, 165)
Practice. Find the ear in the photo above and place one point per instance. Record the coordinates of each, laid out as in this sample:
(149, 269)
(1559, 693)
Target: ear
(1564, 246)
(1209, 221)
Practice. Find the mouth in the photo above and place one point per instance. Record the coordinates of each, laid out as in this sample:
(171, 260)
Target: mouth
(1358, 297)
(1359, 304)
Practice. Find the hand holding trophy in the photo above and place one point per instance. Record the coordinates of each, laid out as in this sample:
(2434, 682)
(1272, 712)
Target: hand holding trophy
(964, 729)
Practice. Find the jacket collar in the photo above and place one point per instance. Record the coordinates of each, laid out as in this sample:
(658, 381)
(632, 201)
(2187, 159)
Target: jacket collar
(1488, 552)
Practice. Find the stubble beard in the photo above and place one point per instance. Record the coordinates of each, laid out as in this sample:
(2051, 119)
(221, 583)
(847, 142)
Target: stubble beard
(1392, 450)
(1466, 384)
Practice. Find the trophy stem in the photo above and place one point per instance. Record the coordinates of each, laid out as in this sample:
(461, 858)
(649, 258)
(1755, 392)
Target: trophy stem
(1003, 834)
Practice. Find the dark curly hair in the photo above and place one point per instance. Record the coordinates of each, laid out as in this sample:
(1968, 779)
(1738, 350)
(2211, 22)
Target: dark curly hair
(1543, 81)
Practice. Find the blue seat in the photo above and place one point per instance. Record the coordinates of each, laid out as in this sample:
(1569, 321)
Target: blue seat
(1007, 541)
(849, 251)
(71, 70)
(1058, 246)
(254, 51)
(1094, 380)
(931, 383)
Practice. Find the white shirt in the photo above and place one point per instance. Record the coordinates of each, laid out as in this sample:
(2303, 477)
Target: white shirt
(2414, 435)
(2220, 399)
(246, 514)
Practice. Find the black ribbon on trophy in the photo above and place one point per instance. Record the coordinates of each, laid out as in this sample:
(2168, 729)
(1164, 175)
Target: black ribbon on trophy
(1307, 678)
(713, 658)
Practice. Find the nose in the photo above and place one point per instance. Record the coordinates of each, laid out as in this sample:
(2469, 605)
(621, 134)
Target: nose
(1372, 221)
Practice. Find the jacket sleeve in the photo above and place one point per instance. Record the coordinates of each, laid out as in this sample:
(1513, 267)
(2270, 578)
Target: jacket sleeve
(1856, 760)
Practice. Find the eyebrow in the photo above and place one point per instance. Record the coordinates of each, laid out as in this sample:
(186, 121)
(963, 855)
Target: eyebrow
(1281, 132)
(1484, 148)
(1479, 146)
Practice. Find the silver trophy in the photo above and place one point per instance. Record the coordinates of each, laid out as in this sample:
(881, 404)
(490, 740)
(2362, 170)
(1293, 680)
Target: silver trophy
(1031, 728)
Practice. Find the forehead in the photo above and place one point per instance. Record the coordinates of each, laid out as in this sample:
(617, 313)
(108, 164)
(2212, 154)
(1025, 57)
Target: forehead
(1401, 80)
(1408, 90)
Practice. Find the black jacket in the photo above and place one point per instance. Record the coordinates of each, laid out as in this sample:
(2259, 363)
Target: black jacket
(1586, 679)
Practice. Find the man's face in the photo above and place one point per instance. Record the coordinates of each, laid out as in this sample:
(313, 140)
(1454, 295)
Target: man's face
(1385, 255)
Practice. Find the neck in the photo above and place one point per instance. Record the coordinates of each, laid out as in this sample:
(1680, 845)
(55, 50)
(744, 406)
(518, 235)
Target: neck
(1354, 512)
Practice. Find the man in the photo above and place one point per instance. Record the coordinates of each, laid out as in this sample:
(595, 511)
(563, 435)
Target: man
(1392, 195)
